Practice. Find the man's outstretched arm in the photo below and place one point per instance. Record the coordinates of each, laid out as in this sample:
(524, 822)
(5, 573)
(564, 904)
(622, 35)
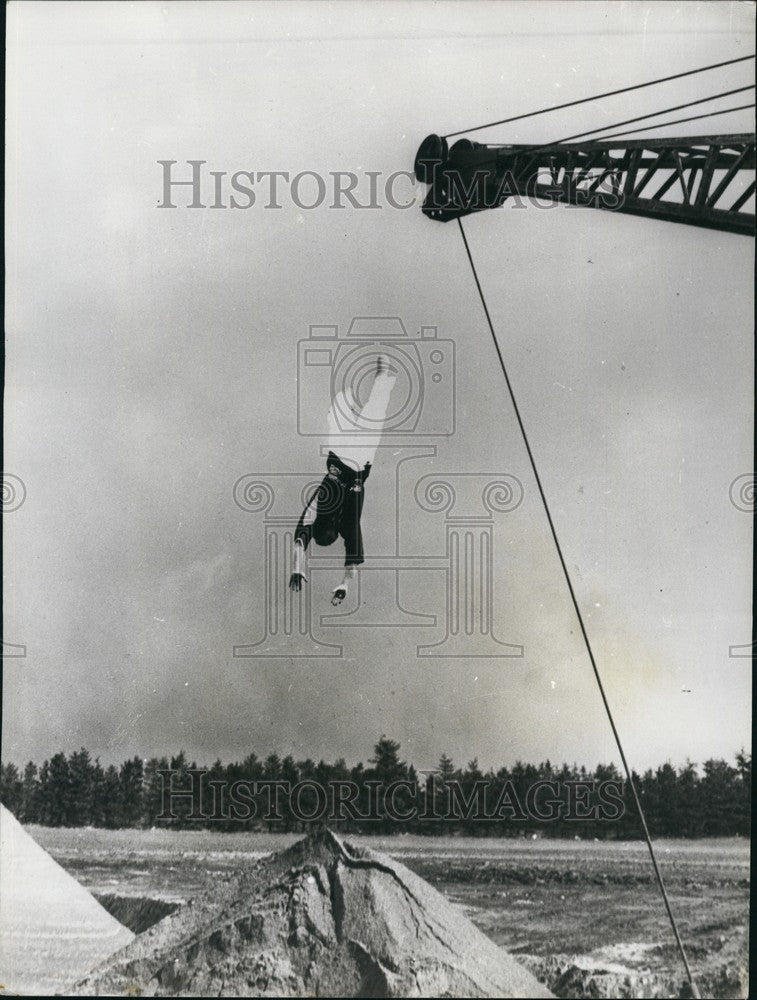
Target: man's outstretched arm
(302, 535)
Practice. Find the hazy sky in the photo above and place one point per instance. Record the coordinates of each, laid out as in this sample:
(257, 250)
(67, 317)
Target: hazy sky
(152, 361)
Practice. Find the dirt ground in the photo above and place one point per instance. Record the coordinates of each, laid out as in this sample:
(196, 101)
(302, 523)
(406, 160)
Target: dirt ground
(585, 916)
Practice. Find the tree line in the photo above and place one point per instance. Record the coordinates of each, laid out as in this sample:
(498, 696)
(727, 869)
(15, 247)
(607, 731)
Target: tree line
(526, 799)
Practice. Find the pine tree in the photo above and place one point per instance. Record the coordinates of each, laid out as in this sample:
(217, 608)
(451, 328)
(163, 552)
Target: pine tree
(339, 770)
(289, 773)
(446, 768)
(272, 767)
(44, 795)
(744, 794)
(437, 793)
(474, 801)
(80, 785)
(99, 809)
(387, 764)
(387, 768)
(252, 769)
(30, 795)
(720, 798)
(307, 769)
(688, 815)
(59, 791)
(215, 795)
(649, 794)
(131, 779)
(11, 788)
(111, 798)
(152, 802)
(667, 801)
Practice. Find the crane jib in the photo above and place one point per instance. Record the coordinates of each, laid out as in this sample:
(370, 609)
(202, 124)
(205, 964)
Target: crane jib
(697, 180)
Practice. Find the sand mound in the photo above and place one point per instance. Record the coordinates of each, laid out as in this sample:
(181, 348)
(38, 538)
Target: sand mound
(52, 931)
(323, 918)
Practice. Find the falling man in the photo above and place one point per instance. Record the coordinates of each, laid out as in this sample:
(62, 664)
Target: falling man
(335, 507)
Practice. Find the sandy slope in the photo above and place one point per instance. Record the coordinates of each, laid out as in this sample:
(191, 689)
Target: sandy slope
(322, 918)
(52, 931)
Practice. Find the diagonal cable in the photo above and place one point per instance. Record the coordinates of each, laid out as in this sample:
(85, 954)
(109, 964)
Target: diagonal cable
(597, 97)
(629, 776)
(664, 111)
(497, 150)
(677, 121)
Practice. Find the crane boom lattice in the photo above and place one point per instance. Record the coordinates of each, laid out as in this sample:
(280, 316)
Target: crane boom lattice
(697, 180)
